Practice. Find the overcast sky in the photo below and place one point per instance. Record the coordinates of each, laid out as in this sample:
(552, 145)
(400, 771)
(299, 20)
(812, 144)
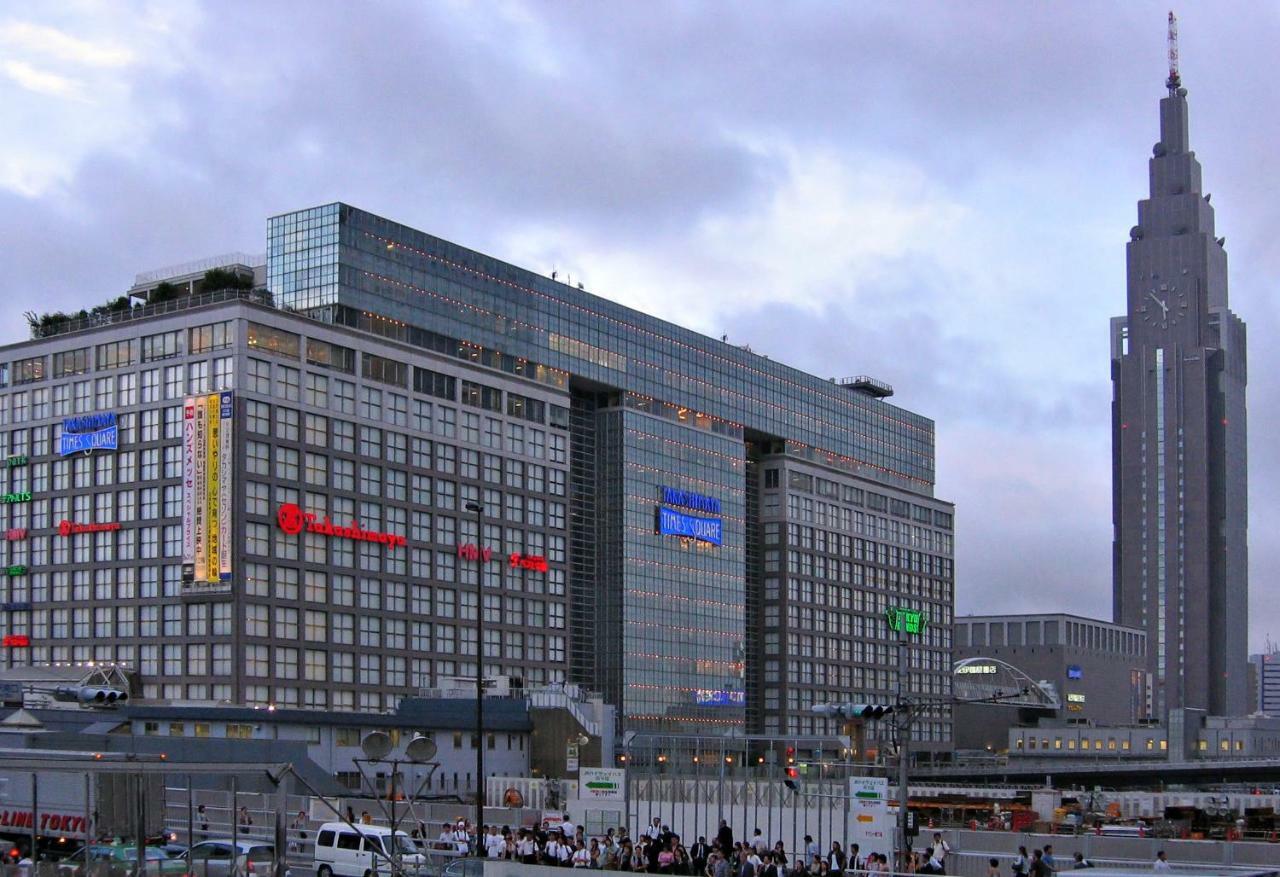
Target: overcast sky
(936, 194)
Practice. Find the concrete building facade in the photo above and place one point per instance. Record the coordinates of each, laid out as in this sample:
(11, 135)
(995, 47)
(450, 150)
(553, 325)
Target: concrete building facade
(1266, 667)
(1098, 669)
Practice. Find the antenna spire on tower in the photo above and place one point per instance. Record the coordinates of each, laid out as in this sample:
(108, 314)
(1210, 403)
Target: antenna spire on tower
(1174, 80)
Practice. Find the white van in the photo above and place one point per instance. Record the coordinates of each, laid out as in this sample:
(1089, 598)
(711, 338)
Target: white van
(342, 852)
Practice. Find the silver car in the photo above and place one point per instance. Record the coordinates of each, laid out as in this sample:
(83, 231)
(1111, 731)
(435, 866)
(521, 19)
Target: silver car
(225, 858)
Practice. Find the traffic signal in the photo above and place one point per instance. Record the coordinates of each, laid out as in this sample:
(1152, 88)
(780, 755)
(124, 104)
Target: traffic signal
(88, 695)
(791, 755)
(853, 710)
(792, 780)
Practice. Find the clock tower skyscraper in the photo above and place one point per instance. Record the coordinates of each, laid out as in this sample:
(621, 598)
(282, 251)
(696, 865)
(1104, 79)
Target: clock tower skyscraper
(1179, 480)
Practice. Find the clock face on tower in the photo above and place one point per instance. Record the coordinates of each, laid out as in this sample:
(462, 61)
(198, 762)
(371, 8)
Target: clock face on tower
(1163, 303)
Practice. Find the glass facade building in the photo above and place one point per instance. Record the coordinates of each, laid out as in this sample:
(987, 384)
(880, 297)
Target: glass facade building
(673, 628)
(708, 537)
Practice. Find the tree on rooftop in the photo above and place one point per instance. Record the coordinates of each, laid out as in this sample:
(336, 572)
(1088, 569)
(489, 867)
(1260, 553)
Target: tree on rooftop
(221, 278)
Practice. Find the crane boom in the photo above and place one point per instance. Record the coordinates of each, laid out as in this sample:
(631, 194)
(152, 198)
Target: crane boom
(1174, 79)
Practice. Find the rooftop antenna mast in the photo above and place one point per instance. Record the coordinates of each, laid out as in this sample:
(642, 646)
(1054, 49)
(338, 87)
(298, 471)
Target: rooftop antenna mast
(1174, 80)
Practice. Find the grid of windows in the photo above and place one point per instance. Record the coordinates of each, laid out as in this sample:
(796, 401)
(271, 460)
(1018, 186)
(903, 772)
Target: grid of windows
(832, 566)
(380, 469)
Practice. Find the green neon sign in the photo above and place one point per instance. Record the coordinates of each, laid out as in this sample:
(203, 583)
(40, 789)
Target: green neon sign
(906, 620)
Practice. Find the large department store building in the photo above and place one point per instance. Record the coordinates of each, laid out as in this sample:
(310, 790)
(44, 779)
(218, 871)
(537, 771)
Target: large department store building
(268, 496)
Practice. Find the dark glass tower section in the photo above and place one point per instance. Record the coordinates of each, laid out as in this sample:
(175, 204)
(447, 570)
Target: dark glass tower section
(1180, 565)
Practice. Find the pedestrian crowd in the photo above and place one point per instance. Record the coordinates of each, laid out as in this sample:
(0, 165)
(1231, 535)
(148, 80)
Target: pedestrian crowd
(1042, 863)
(659, 850)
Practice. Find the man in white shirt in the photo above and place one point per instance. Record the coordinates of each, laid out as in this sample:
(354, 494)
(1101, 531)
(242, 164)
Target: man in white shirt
(569, 830)
(494, 843)
(760, 843)
(1161, 863)
(461, 837)
(941, 849)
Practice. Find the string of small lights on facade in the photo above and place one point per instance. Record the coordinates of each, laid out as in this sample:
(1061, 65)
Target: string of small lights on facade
(673, 378)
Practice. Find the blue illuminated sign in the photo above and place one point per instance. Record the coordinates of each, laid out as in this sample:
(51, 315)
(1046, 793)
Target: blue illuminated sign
(674, 523)
(1074, 672)
(92, 432)
(719, 697)
(695, 501)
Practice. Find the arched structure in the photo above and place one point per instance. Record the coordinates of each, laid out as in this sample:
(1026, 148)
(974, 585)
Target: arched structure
(980, 679)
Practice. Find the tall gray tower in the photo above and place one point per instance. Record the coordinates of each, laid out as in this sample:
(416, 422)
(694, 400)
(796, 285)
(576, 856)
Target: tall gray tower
(1179, 480)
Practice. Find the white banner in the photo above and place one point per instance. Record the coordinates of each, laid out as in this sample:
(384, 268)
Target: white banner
(188, 489)
(224, 488)
(201, 491)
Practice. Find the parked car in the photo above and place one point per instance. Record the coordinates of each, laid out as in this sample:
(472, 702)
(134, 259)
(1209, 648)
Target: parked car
(224, 858)
(119, 860)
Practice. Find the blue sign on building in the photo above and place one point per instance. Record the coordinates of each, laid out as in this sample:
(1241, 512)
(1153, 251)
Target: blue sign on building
(695, 501)
(719, 697)
(93, 432)
(1074, 671)
(674, 523)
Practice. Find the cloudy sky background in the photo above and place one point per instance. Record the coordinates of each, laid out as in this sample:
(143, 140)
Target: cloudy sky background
(937, 194)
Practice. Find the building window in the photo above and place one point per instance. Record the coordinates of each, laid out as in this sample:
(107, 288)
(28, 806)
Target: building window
(164, 345)
(277, 341)
(383, 370)
(114, 354)
(27, 371)
(215, 336)
(331, 356)
(71, 362)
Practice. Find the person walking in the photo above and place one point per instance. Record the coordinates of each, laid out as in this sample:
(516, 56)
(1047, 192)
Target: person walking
(724, 837)
(1021, 863)
(700, 854)
(1161, 863)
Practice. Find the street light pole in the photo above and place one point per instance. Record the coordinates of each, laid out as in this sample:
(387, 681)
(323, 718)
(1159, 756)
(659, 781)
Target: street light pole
(904, 746)
(478, 508)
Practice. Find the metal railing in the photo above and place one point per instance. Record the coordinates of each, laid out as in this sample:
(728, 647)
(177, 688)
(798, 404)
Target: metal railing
(95, 320)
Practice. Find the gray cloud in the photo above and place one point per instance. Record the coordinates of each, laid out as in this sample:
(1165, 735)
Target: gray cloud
(633, 128)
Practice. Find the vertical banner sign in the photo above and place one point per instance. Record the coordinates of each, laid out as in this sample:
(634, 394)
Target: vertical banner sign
(870, 825)
(225, 471)
(189, 490)
(202, 502)
(213, 416)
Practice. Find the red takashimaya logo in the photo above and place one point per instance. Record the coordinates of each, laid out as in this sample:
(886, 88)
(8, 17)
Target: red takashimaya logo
(293, 520)
(70, 528)
(535, 562)
(289, 517)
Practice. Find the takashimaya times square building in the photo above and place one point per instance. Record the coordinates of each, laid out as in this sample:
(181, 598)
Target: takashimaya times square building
(287, 496)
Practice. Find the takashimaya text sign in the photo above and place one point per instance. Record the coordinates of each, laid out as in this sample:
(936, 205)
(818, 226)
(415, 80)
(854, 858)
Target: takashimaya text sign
(92, 432)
